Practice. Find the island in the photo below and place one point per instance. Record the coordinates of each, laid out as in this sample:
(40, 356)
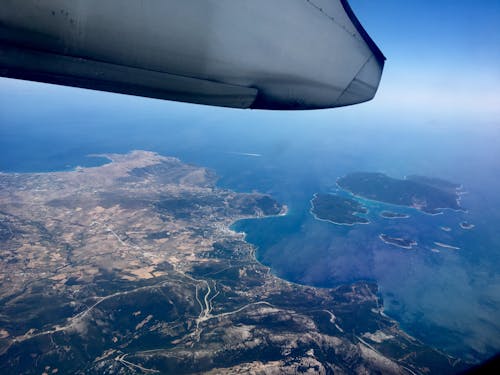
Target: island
(466, 225)
(446, 246)
(438, 183)
(425, 194)
(337, 210)
(131, 267)
(393, 215)
(399, 242)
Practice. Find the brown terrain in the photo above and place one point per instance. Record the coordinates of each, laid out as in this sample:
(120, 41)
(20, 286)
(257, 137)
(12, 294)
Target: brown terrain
(132, 267)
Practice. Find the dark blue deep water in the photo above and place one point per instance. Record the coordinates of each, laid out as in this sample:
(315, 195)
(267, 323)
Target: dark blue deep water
(449, 299)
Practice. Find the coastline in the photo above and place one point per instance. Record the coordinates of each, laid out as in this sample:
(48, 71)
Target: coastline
(467, 226)
(395, 215)
(284, 211)
(439, 209)
(331, 221)
(446, 246)
(408, 247)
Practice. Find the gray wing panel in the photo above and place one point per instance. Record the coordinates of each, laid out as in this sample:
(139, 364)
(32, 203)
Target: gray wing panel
(41, 66)
(266, 54)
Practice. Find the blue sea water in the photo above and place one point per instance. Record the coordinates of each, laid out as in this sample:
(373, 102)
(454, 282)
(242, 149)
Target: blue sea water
(449, 299)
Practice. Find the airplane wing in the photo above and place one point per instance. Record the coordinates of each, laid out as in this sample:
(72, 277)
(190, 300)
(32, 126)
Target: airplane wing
(261, 54)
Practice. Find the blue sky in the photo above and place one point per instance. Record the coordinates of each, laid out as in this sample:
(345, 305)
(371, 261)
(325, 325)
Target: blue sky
(443, 65)
(443, 56)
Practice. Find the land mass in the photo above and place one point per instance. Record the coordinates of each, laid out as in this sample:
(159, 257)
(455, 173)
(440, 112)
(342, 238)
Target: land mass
(337, 209)
(393, 215)
(131, 268)
(446, 246)
(438, 183)
(404, 243)
(429, 195)
(466, 225)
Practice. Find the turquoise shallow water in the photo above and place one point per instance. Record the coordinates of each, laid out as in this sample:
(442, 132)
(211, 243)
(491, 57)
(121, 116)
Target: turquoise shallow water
(449, 299)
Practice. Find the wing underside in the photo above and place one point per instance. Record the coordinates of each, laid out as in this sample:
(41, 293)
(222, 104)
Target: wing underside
(281, 54)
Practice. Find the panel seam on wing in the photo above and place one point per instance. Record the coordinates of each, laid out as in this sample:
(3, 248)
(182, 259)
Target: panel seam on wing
(331, 18)
(354, 78)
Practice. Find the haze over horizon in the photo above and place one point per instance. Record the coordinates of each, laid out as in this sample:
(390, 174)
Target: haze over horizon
(442, 63)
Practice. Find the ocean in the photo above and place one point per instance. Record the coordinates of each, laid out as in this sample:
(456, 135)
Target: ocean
(449, 299)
